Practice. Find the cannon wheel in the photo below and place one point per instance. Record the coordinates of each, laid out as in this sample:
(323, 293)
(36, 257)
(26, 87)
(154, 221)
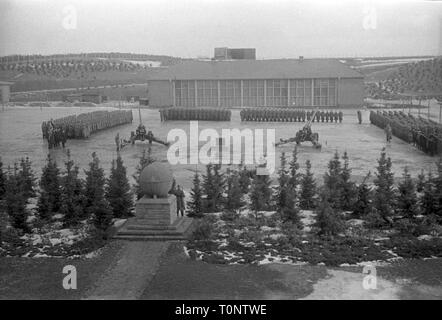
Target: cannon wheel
(315, 140)
(315, 137)
(298, 138)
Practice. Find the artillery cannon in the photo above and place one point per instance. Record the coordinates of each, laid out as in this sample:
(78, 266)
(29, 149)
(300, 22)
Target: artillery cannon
(140, 134)
(305, 134)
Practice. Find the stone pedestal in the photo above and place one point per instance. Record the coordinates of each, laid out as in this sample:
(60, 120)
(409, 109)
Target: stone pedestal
(156, 219)
(159, 211)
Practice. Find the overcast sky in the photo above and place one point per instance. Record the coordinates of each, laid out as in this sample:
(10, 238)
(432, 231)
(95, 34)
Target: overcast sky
(192, 28)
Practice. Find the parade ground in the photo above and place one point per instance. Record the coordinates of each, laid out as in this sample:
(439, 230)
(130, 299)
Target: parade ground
(146, 270)
(20, 136)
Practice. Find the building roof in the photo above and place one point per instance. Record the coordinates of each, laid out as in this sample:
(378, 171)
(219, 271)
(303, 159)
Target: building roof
(6, 83)
(258, 69)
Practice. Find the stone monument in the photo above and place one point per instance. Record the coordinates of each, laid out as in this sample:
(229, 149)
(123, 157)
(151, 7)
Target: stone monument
(156, 212)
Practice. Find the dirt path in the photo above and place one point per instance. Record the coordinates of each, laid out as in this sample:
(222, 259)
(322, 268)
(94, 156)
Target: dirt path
(128, 277)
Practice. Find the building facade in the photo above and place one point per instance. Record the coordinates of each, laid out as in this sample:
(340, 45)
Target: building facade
(225, 53)
(301, 83)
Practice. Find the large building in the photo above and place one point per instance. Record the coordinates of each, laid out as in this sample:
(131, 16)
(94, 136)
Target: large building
(325, 83)
(225, 53)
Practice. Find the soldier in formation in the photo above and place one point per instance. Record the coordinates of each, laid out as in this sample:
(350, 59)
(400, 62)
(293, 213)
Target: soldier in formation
(289, 115)
(425, 134)
(201, 114)
(81, 126)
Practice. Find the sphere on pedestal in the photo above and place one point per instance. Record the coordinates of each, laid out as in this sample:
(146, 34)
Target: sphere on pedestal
(156, 180)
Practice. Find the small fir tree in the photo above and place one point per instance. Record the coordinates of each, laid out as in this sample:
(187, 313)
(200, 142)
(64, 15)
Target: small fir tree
(118, 192)
(308, 189)
(282, 192)
(96, 204)
(15, 200)
(72, 197)
(333, 182)
(234, 192)
(27, 177)
(219, 183)
(196, 195)
(363, 206)
(294, 174)
(102, 217)
(290, 211)
(407, 199)
(348, 188)
(328, 220)
(384, 195)
(208, 189)
(49, 202)
(2, 180)
(428, 198)
(260, 193)
(244, 179)
(438, 190)
(420, 181)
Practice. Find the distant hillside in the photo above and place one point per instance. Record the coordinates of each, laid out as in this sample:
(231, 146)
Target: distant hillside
(37, 72)
(381, 68)
(165, 60)
(424, 76)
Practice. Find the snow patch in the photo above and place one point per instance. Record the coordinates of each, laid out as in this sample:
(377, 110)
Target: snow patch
(119, 222)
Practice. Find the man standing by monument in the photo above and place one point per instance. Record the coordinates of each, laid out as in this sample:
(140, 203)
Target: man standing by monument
(180, 205)
(359, 116)
(157, 211)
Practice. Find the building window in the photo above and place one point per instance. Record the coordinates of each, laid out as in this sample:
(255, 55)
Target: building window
(253, 93)
(178, 89)
(185, 93)
(277, 93)
(324, 92)
(300, 92)
(207, 92)
(230, 93)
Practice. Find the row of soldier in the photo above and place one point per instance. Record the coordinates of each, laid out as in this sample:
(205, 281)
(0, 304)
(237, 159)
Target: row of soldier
(425, 134)
(83, 125)
(290, 115)
(203, 114)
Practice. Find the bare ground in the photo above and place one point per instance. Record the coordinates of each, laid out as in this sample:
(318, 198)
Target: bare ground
(156, 270)
(41, 278)
(181, 278)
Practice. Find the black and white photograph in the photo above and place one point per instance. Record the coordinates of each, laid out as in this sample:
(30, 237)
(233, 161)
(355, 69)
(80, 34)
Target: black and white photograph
(220, 155)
